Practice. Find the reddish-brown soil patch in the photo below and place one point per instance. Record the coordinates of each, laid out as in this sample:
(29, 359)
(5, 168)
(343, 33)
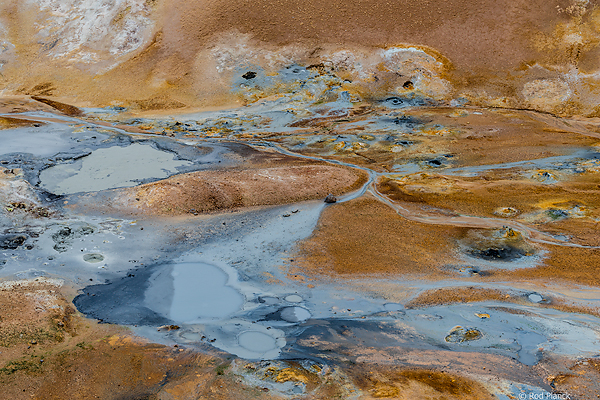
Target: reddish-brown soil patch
(484, 195)
(458, 295)
(62, 107)
(364, 236)
(453, 295)
(213, 191)
(9, 123)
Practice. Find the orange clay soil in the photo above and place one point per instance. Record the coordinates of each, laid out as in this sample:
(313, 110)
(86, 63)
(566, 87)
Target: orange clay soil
(484, 42)
(364, 236)
(566, 264)
(573, 264)
(451, 295)
(487, 194)
(10, 123)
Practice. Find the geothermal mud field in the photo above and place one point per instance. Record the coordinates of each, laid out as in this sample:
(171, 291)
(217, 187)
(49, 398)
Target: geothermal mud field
(197, 204)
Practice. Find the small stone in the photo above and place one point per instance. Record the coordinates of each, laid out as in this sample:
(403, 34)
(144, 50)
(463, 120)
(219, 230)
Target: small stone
(330, 199)
(167, 328)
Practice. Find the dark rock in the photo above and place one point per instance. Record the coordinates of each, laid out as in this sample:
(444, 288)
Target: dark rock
(330, 199)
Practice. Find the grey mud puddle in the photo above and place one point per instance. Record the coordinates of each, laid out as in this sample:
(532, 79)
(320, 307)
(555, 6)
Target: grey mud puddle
(218, 294)
(108, 168)
(63, 158)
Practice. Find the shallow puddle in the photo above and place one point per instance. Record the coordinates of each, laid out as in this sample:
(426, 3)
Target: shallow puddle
(110, 168)
(200, 293)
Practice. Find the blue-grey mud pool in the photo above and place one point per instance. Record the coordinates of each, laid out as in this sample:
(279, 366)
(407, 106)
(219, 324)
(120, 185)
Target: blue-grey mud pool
(201, 206)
